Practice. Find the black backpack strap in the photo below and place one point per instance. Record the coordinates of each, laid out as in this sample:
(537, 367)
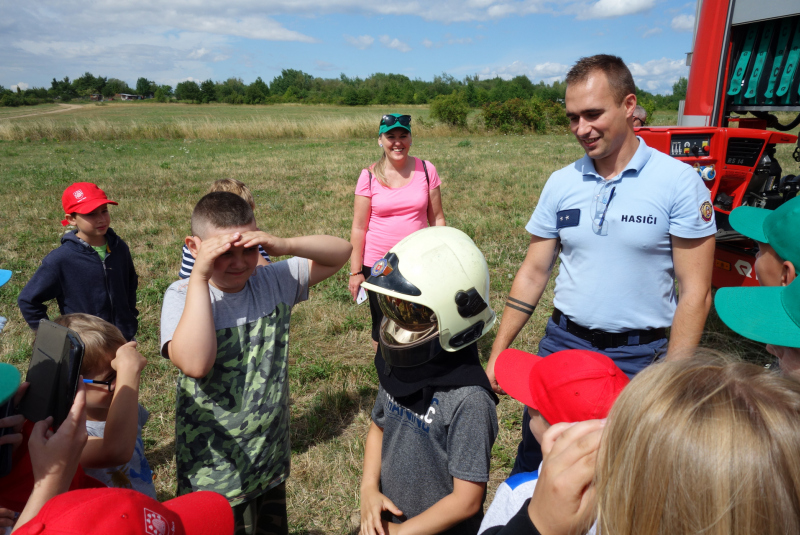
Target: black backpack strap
(427, 181)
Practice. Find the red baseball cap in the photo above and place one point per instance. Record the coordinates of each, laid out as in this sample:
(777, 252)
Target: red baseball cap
(83, 197)
(567, 386)
(124, 511)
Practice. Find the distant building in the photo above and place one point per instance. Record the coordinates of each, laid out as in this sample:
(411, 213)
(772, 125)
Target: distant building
(96, 96)
(127, 96)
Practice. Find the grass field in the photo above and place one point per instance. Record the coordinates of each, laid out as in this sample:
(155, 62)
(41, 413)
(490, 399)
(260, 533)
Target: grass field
(302, 186)
(148, 120)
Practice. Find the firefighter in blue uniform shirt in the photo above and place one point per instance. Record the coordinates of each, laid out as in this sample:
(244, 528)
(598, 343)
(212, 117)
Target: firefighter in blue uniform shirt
(626, 221)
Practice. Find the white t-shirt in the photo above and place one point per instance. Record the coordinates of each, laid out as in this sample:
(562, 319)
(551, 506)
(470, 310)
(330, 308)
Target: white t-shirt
(509, 498)
(136, 473)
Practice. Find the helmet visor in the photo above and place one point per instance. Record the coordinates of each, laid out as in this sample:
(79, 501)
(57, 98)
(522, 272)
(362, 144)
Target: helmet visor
(407, 315)
(404, 348)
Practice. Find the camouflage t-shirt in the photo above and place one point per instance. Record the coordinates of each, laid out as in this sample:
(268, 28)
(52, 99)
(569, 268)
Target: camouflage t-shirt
(232, 426)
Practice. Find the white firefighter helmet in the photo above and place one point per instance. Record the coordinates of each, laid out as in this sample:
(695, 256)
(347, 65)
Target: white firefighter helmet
(433, 289)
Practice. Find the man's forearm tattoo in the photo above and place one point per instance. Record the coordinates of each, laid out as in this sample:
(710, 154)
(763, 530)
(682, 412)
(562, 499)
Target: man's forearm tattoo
(521, 306)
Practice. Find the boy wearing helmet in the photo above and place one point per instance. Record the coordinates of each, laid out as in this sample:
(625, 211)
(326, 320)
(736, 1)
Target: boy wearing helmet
(426, 461)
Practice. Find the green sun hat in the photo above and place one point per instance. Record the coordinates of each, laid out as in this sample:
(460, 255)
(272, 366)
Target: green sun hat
(780, 228)
(9, 382)
(767, 314)
(394, 120)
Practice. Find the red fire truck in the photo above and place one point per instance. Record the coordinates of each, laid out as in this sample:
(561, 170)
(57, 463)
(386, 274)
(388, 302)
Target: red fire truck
(744, 69)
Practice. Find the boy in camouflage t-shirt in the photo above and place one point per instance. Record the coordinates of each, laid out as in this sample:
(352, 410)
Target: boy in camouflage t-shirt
(227, 329)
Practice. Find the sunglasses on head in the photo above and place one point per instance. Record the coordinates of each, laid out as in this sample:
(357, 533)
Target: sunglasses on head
(389, 120)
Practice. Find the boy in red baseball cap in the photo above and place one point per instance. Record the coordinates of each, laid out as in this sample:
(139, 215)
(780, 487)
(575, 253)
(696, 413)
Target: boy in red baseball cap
(92, 272)
(568, 386)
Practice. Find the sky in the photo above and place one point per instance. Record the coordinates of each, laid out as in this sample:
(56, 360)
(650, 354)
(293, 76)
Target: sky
(169, 41)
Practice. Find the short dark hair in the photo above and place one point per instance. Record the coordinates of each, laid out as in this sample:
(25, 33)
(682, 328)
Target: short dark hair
(617, 73)
(220, 209)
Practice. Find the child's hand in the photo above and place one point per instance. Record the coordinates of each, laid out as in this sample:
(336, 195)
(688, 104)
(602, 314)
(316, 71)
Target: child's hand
(15, 422)
(273, 245)
(373, 503)
(7, 518)
(55, 456)
(128, 359)
(211, 249)
(564, 498)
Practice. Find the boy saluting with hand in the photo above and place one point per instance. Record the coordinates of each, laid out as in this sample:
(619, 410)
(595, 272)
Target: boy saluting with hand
(226, 328)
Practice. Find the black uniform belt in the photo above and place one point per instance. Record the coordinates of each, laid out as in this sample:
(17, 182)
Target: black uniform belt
(602, 339)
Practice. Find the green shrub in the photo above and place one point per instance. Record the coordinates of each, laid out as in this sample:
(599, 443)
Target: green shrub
(450, 109)
(161, 95)
(254, 95)
(17, 99)
(208, 92)
(10, 99)
(512, 116)
(188, 90)
(555, 113)
(649, 107)
(291, 95)
(517, 115)
(356, 97)
(234, 98)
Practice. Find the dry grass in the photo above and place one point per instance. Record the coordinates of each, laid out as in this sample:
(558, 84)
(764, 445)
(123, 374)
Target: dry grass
(261, 128)
(154, 121)
(129, 121)
(305, 186)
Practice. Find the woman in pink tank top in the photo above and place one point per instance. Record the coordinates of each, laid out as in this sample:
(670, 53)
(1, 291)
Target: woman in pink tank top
(395, 197)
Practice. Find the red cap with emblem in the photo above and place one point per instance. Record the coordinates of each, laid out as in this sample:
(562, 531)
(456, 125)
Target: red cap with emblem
(567, 386)
(82, 198)
(123, 512)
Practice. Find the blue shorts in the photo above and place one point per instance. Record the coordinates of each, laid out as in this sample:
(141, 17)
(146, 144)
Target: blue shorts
(631, 359)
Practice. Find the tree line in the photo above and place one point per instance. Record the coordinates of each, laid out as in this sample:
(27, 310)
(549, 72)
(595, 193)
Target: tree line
(297, 86)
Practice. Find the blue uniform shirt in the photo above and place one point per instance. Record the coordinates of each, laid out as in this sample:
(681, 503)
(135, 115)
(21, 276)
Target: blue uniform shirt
(620, 276)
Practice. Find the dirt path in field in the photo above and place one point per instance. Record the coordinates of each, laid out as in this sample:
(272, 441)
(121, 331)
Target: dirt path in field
(62, 108)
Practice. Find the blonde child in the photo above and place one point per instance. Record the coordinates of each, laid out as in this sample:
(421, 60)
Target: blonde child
(111, 370)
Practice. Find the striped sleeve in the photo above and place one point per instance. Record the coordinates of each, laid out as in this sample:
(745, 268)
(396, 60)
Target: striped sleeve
(187, 263)
(260, 250)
